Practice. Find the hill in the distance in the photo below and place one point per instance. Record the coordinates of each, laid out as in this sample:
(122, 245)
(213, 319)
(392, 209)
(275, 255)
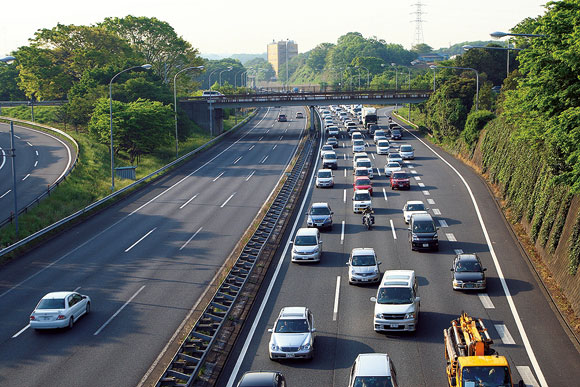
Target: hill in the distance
(241, 57)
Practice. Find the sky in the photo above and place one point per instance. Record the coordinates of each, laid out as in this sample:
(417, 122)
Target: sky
(234, 27)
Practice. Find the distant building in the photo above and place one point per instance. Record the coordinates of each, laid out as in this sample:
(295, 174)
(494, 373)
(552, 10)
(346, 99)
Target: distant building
(279, 51)
(431, 58)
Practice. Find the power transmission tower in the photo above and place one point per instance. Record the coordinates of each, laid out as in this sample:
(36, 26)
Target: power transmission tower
(418, 23)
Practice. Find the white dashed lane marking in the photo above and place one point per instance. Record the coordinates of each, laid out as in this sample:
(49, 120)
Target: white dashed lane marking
(504, 334)
(486, 301)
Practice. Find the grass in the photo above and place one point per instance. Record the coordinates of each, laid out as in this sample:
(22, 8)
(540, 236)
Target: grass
(91, 178)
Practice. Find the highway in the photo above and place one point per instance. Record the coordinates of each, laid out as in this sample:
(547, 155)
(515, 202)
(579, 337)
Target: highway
(145, 261)
(519, 318)
(41, 159)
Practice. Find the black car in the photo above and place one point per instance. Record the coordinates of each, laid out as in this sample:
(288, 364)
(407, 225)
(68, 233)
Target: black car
(372, 128)
(282, 118)
(396, 134)
(468, 273)
(262, 379)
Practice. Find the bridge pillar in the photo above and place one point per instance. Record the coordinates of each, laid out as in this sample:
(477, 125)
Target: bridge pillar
(199, 113)
(312, 118)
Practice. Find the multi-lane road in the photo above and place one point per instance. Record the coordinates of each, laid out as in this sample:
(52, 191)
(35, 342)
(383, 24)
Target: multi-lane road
(520, 319)
(144, 262)
(41, 159)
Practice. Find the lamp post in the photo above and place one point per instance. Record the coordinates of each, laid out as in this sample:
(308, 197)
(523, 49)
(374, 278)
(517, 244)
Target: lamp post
(145, 67)
(499, 34)
(175, 102)
(368, 75)
(396, 77)
(220, 74)
(209, 85)
(12, 152)
(461, 68)
(236, 78)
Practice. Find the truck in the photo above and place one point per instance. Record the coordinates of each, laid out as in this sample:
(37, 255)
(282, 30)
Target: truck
(369, 116)
(471, 361)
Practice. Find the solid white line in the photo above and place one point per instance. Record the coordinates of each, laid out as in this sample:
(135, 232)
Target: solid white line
(187, 202)
(342, 234)
(20, 331)
(486, 301)
(266, 297)
(393, 229)
(3, 158)
(443, 223)
(504, 334)
(143, 237)
(26, 177)
(527, 376)
(385, 194)
(6, 193)
(264, 159)
(118, 311)
(189, 240)
(451, 237)
(218, 176)
(336, 296)
(504, 285)
(250, 175)
(431, 201)
(238, 159)
(226, 202)
(426, 193)
(436, 211)
(344, 196)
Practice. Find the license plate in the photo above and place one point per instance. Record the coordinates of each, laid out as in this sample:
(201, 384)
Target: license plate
(394, 325)
(364, 279)
(425, 244)
(469, 285)
(46, 318)
(289, 355)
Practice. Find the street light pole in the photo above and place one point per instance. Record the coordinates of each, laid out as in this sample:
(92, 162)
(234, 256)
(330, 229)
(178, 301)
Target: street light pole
(175, 103)
(220, 74)
(469, 47)
(461, 68)
(396, 77)
(9, 60)
(145, 67)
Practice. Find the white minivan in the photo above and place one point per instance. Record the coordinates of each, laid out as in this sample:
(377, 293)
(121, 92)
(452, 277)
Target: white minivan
(307, 245)
(373, 369)
(397, 302)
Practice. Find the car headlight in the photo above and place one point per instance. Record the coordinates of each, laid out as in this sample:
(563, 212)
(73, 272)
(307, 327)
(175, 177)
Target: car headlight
(435, 237)
(316, 249)
(295, 251)
(378, 315)
(415, 238)
(456, 283)
(410, 315)
(481, 281)
(274, 347)
(305, 347)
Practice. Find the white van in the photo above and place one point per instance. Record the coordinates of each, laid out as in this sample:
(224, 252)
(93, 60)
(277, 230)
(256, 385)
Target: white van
(211, 93)
(307, 245)
(397, 302)
(373, 369)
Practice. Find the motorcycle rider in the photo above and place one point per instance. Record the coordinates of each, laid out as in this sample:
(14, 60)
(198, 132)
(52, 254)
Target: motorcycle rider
(367, 213)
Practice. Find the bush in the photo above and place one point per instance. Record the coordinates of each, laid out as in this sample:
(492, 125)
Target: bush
(476, 121)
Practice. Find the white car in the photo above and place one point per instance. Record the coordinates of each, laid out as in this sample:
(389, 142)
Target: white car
(413, 207)
(406, 151)
(394, 156)
(307, 245)
(363, 266)
(59, 310)
(326, 148)
(358, 146)
(383, 147)
(324, 178)
(397, 302)
(361, 200)
(356, 135)
(392, 166)
(365, 163)
(379, 135)
(361, 172)
(333, 131)
(293, 334)
(373, 369)
(359, 155)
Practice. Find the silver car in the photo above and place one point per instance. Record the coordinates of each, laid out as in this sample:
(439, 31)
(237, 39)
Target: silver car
(59, 310)
(292, 335)
(363, 266)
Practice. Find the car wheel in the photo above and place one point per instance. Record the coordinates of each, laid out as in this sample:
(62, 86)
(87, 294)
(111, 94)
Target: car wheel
(71, 322)
(88, 308)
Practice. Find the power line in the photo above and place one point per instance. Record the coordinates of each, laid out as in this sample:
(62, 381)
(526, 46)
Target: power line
(419, 39)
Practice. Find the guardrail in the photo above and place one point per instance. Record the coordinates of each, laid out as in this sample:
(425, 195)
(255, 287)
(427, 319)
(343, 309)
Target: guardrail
(51, 187)
(100, 202)
(185, 367)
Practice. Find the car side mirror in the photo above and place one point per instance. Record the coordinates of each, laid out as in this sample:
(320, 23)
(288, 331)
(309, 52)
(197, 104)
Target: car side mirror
(373, 299)
(485, 269)
(451, 269)
(313, 330)
(270, 330)
(417, 299)
(409, 228)
(379, 263)
(331, 212)
(437, 228)
(347, 264)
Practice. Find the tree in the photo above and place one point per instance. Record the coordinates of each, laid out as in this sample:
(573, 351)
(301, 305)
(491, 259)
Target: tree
(9, 90)
(422, 49)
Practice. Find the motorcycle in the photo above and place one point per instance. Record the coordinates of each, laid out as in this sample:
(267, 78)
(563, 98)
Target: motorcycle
(368, 219)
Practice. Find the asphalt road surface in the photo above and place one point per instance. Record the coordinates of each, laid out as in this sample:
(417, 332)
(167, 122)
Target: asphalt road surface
(144, 262)
(517, 314)
(41, 159)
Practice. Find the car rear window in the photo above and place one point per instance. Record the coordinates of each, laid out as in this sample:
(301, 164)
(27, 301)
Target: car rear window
(51, 303)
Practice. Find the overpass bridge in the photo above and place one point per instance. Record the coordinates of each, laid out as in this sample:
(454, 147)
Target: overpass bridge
(207, 112)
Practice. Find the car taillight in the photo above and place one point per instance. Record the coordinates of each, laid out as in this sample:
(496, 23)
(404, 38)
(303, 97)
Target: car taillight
(61, 317)
(32, 318)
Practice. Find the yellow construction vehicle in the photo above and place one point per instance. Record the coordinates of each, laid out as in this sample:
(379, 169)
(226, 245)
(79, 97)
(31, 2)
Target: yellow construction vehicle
(471, 362)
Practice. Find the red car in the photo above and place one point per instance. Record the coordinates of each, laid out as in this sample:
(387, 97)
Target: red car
(363, 182)
(400, 180)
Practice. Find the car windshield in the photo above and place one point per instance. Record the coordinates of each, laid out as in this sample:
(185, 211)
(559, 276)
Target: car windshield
(320, 211)
(406, 148)
(394, 156)
(395, 131)
(324, 174)
(383, 144)
(361, 172)
(330, 155)
(425, 226)
(416, 207)
(486, 376)
(372, 381)
(400, 175)
(362, 196)
(363, 182)
(397, 296)
(291, 326)
(380, 133)
(358, 142)
(51, 303)
(363, 260)
(305, 240)
(327, 147)
(394, 165)
(464, 266)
